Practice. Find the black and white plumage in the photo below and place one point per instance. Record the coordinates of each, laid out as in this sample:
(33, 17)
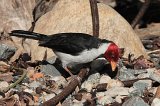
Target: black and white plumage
(74, 47)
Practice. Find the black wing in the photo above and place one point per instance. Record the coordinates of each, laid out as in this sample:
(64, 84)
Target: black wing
(70, 43)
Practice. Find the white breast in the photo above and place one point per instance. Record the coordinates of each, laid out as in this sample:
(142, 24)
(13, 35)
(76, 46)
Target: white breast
(84, 57)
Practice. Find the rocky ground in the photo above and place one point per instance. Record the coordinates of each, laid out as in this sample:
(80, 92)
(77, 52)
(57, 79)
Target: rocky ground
(136, 81)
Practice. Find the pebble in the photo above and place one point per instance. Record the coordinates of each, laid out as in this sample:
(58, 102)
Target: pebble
(87, 85)
(34, 84)
(94, 78)
(60, 80)
(3, 85)
(105, 79)
(144, 75)
(104, 100)
(113, 92)
(143, 84)
(6, 51)
(114, 83)
(50, 70)
(119, 98)
(126, 74)
(29, 91)
(156, 102)
(155, 76)
(48, 96)
(135, 101)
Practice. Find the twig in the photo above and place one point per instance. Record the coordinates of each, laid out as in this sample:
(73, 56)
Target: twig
(95, 17)
(18, 81)
(67, 90)
(140, 13)
(158, 50)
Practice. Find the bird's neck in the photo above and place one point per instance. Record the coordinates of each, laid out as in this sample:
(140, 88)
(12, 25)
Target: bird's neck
(103, 48)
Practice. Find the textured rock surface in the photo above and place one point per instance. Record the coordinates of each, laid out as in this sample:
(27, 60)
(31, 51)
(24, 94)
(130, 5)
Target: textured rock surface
(75, 16)
(67, 16)
(6, 52)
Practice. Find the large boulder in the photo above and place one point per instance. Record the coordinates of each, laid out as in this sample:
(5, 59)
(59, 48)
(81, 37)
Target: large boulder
(16, 14)
(69, 16)
(75, 16)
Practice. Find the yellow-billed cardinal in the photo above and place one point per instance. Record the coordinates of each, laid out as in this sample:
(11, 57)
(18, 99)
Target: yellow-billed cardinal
(75, 47)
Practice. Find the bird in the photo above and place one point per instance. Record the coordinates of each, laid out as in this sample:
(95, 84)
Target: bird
(74, 47)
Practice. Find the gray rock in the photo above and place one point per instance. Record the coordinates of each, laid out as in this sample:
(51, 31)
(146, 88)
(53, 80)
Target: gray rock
(50, 70)
(94, 78)
(105, 100)
(155, 76)
(6, 51)
(113, 92)
(129, 74)
(126, 74)
(34, 84)
(135, 101)
(135, 92)
(156, 102)
(140, 86)
(143, 84)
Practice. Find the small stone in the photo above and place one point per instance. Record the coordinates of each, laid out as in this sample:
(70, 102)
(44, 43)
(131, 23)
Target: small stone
(94, 78)
(155, 76)
(144, 75)
(87, 85)
(153, 90)
(104, 100)
(34, 84)
(126, 74)
(119, 98)
(60, 81)
(77, 103)
(143, 84)
(48, 96)
(135, 101)
(3, 85)
(50, 70)
(105, 79)
(156, 102)
(29, 91)
(114, 83)
(6, 51)
(113, 92)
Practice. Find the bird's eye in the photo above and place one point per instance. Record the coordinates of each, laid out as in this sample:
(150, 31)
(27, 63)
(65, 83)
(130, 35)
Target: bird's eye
(111, 55)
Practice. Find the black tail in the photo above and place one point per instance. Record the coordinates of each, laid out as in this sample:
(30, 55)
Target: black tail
(28, 34)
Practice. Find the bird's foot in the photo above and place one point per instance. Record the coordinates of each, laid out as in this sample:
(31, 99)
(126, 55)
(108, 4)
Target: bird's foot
(69, 72)
(73, 77)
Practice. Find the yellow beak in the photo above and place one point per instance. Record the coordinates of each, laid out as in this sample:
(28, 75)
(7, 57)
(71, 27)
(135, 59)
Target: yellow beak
(113, 65)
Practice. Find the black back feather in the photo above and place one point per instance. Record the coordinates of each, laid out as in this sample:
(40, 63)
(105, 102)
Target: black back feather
(70, 43)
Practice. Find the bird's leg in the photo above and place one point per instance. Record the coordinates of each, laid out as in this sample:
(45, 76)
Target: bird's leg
(69, 72)
(73, 76)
